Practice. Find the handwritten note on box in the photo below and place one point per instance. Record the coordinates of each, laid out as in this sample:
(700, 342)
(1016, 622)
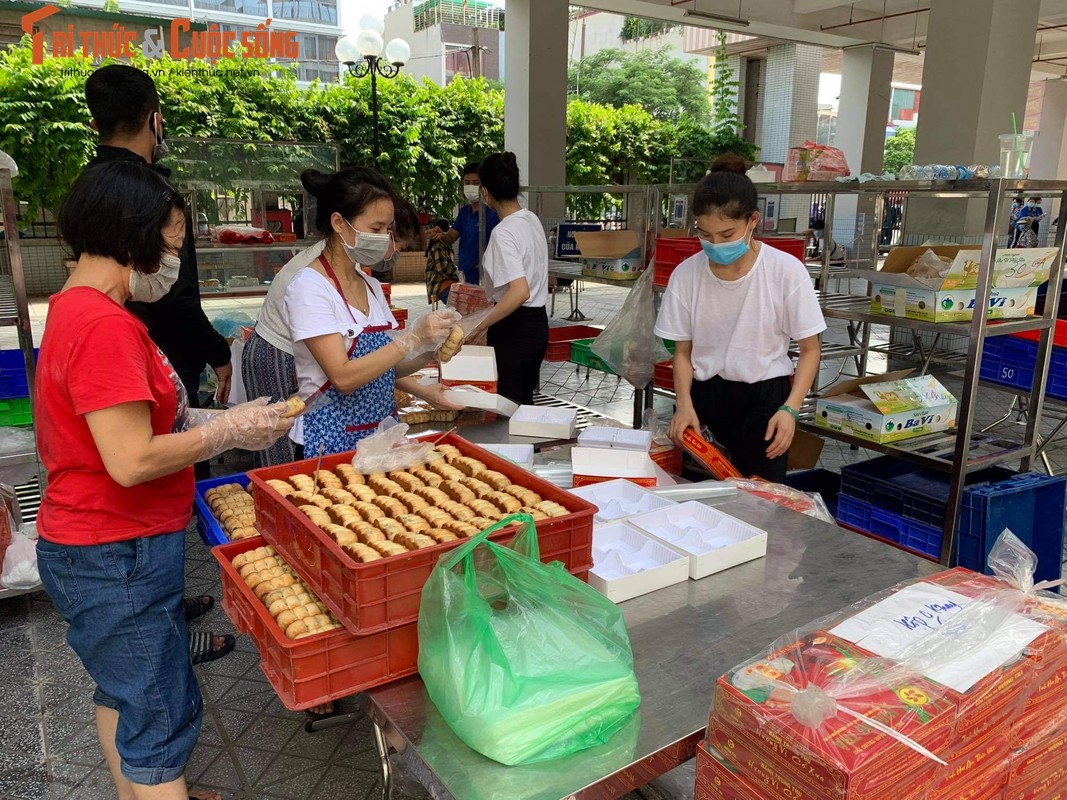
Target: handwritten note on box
(953, 639)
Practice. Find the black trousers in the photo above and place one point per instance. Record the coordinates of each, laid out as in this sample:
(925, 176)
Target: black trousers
(737, 414)
(520, 340)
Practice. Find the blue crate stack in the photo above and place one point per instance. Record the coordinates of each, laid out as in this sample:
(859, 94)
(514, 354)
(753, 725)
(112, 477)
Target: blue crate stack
(211, 532)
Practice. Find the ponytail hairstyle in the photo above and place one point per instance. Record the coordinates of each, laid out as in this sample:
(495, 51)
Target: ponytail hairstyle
(348, 192)
(499, 174)
(726, 190)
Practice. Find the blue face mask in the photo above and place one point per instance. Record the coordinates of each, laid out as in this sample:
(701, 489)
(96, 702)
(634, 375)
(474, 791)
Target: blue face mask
(725, 252)
(1030, 204)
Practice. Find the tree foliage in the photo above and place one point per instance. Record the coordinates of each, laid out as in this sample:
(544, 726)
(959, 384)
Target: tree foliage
(899, 150)
(639, 27)
(665, 86)
(427, 132)
(726, 127)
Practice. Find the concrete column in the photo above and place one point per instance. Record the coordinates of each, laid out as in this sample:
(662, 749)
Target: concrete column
(976, 73)
(535, 99)
(1045, 160)
(790, 112)
(866, 87)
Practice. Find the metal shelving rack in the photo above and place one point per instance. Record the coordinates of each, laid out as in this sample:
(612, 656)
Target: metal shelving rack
(14, 312)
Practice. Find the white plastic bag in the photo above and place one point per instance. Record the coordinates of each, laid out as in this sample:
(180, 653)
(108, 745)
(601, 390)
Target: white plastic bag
(388, 449)
(628, 344)
(20, 560)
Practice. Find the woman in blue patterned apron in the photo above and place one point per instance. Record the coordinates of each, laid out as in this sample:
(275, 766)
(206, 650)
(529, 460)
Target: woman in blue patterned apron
(340, 322)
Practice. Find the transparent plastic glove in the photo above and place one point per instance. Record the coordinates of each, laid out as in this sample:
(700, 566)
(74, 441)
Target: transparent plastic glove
(249, 426)
(427, 332)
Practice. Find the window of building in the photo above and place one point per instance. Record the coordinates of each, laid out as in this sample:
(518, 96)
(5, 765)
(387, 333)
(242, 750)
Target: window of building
(257, 8)
(324, 11)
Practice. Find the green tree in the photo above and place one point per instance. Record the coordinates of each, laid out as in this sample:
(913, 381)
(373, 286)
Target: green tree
(638, 27)
(726, 127)
(665, 86)
(899, 150)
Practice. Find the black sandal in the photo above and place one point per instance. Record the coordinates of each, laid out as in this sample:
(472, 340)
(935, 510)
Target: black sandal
(198, 606)
(202, 646)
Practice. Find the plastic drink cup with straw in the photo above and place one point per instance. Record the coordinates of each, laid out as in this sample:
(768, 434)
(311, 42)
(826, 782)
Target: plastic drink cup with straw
(1015, 150)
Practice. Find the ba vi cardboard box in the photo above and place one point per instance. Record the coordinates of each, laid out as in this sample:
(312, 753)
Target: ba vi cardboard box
(610, 254)
(1016, 276)
(887, 408)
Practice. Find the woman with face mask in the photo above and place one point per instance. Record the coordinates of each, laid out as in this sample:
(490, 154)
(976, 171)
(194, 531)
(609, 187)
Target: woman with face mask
(118, 439)
(733, 309)
(346, 342)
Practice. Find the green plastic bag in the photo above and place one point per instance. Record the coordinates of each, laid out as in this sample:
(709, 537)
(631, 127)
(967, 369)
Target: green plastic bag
(524, 661)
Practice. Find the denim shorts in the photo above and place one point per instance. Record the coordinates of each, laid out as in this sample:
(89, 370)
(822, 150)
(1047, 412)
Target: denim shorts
(123, 602)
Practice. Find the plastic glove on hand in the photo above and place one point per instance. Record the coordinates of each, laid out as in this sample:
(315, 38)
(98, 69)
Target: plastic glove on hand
(427, 332)
(249, 426)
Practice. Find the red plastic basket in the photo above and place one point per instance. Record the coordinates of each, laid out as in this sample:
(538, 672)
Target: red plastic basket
(316, 669)
(559, 340)
(1059, 334)
(669, 254)
(663, 375)
(794, 245)
(368, 598)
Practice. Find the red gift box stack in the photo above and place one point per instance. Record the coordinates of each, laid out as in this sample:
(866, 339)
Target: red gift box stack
(1005, 738)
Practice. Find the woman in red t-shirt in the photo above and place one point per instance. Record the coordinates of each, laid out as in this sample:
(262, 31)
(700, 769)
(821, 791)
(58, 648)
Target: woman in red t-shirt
(114, 432)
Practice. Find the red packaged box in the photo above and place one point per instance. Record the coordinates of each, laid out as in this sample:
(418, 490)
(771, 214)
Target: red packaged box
(372, 597)
(1049, 753)
(663, 375)
(315, 669)
(985, 786)
(971, 763)
(841, 757)
(717, 780)
(1048, 785)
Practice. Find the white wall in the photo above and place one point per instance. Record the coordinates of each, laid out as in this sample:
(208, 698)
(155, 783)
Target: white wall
(427, 49)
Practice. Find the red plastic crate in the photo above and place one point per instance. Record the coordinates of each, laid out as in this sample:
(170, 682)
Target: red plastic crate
(560, 339)
(316, 669)
(794, 245)
(1059, 334)
(669, 254)
(401, 316)
(663, 375)
(368, 598)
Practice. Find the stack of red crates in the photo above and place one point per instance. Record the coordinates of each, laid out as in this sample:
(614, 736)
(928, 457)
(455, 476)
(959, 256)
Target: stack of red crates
(1004, 738)
(673, 251)
(376, 602)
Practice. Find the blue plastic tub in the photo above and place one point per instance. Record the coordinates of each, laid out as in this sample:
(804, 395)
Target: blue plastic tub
(1032, 506)
(211, 532)
(909, 534)
(13, 382)
(1009, 361)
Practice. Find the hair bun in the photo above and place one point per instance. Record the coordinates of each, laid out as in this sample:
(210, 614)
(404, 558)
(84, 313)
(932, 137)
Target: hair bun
(729, 162)
(507, 158)
(314, 181)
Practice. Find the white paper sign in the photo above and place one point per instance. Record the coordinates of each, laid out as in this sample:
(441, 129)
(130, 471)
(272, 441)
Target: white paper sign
(946, 636)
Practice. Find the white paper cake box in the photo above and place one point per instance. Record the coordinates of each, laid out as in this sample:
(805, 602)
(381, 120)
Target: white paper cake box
(521, 454)
(618, 438)
(473, 364)
(628, 563)
(473, 397)
(591, 465)
(547, 423)
(619, 499)
(714, 541)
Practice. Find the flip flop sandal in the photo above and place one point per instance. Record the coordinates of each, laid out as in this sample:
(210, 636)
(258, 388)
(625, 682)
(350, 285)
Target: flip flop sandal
(202, 646)
(198, 606)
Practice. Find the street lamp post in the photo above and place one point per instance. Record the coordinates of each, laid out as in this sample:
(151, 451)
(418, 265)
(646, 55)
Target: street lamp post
(362, 56)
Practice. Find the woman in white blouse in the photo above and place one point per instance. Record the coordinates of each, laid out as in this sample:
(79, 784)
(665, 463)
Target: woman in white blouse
(516, 280)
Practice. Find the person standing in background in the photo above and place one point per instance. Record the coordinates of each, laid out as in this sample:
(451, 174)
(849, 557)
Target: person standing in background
(1028, 223)
(126, 113)
(465, 228)
(406, 230)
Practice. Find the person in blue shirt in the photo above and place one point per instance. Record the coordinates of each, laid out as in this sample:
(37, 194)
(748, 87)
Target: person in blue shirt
(1028, 222)
(465, 228)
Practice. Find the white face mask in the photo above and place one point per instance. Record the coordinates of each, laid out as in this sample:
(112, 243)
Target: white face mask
(150, 288)
(472, 193)
(369, 248)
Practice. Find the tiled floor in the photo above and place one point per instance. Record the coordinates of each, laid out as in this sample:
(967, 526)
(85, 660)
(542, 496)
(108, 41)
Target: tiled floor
(250, 746)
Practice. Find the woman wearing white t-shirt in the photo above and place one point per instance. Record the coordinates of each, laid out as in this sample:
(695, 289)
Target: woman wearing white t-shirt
(515, 278)
(339, 321)
(733, 310)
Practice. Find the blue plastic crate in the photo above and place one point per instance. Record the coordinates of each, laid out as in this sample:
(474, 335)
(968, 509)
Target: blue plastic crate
(1009, 361)
(13, 382)
(1056, 386)
(853, 512)
(1032, 506)
(211, 532)
(926, 492)
(870, 482)
(909, 534)
(818, 481)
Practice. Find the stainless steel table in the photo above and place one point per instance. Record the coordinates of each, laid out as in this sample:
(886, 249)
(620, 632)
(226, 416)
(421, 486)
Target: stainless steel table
(684, 637)
(573, 272)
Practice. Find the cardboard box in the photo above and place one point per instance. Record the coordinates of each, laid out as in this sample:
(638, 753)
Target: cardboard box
(1016, 276)
(753, 726)
(592, 465)
(474, 365)
(719, 780)
(887, 408)
(473, 397)
(610, 254)
(544, 423)
(628, 564)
